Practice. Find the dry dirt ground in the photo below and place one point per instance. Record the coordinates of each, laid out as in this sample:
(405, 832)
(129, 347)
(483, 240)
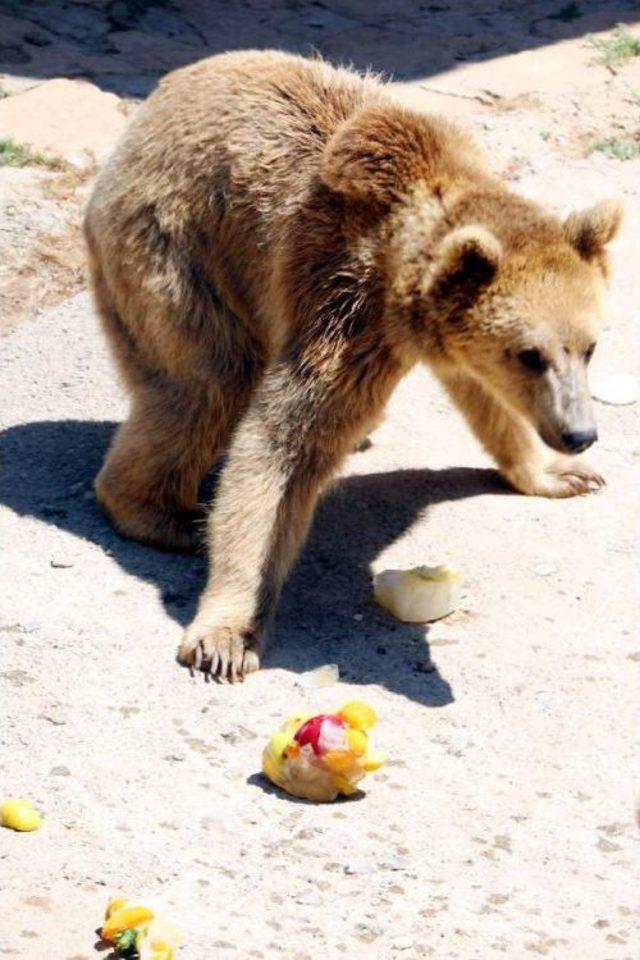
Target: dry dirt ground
(503, 824)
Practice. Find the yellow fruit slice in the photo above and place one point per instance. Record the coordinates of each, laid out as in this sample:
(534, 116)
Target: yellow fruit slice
(373, 761)
(279, 741)
(157, 941)
(126, 918)
(114, 906)
(359, 715)
(357, 741)
(19, 814)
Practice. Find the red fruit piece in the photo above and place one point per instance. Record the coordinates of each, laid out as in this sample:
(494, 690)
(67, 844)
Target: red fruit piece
(311, 731)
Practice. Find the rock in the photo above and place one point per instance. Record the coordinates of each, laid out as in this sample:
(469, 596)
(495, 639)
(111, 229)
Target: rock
(617, 389)
(60, 771)
(222, 825)
(545, 570)
(55, 716)
(357, 868)
(60, 564)
(62, 117)
(309, 898)
(402, 943)
(79, 160)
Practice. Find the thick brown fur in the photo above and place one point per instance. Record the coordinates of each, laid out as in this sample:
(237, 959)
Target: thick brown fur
(273, 245)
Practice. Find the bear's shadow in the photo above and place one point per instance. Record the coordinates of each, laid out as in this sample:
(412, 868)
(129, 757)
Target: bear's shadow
(326, 613)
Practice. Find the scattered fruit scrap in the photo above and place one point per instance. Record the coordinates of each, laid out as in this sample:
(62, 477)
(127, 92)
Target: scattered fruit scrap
(19, 814)
(418, 595)
(136, 934)
(320, 757)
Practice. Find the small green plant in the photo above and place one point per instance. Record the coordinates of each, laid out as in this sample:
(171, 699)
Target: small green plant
(570, 11)
(618, 49)
(619, 148)
(14, 154)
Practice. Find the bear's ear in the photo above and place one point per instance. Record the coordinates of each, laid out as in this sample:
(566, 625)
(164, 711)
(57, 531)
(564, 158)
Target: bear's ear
(467, 261)
(589, 231)
(376, 154)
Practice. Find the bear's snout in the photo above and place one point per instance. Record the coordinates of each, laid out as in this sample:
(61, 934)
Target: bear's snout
(579, 440)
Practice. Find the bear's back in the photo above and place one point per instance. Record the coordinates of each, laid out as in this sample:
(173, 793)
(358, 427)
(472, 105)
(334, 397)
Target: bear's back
(237, 135)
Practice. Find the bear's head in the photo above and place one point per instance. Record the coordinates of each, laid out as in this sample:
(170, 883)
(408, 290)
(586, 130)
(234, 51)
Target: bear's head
(483, 283)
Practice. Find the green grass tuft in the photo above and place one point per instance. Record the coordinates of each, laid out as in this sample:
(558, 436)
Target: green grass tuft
(617, 50)
(14, 154)
(619, 148)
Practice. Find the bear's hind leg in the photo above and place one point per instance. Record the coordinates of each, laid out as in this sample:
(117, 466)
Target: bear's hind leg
(148, 485)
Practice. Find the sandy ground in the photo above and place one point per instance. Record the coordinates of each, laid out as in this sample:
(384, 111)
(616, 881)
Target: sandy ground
(504, 821)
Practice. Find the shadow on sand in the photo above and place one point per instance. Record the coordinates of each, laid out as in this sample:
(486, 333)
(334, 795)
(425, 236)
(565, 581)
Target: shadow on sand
(125, 45)
(48, 468)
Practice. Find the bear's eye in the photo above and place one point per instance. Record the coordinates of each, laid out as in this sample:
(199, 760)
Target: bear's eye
(533, 360)
(589, 352)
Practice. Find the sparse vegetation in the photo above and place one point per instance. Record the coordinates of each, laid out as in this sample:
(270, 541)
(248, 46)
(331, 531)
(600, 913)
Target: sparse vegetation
(14, 154)
(617, 49)
(619, 148)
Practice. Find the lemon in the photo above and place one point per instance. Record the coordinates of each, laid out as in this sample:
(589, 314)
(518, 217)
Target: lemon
(18, 814)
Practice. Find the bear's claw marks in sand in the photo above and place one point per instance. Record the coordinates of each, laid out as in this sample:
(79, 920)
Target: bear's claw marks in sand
(226, 653)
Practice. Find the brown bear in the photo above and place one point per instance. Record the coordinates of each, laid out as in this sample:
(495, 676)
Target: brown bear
(273, 245)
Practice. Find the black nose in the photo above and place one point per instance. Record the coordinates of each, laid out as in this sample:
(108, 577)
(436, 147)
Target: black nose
(580, 440)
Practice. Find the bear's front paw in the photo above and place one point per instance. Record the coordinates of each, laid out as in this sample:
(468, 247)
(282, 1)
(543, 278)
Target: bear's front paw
(225, 652)
(564, 477)
(570, 477)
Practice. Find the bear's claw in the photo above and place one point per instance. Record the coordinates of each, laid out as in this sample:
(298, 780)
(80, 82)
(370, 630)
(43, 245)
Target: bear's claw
(574, 478)
(227, 653)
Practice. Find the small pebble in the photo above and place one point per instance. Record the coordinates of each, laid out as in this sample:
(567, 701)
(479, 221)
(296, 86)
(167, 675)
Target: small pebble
(545, 570)
(357, 868)
(403, 943)
(55, 716)
(60, 772)
(78, 159)
(60, 564)
(222, 825)
(426, 666)
(309, 898)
